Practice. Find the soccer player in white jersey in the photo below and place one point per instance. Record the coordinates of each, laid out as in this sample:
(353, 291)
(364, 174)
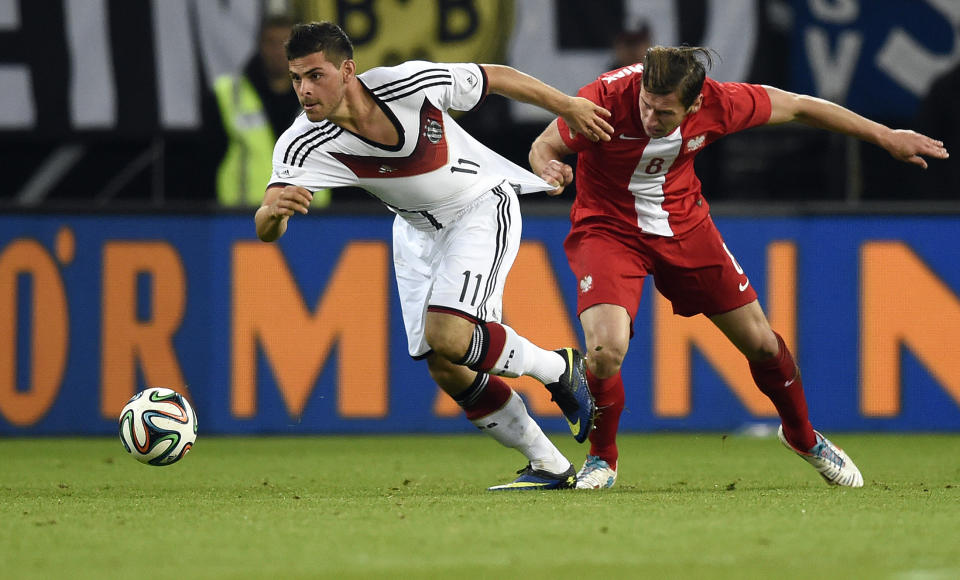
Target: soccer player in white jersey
(639, 211)
(457, 228)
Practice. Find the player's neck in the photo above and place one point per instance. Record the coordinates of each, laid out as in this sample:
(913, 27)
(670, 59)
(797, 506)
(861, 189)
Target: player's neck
(362, 115)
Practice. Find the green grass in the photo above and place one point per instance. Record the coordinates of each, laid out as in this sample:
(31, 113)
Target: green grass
(686, 506)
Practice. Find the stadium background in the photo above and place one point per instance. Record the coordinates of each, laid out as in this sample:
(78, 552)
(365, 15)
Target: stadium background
(118, 271)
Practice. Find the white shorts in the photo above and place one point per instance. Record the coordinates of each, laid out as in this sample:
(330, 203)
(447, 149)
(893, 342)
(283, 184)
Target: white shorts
(461, 268)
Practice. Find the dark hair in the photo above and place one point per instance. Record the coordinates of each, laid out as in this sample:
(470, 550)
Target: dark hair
(676, 68)
(325, 37)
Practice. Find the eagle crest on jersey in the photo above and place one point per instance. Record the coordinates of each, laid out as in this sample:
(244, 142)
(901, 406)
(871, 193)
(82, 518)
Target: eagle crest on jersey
(429, 155)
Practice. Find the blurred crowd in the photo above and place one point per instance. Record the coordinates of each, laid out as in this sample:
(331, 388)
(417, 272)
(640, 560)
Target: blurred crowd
(225, 162)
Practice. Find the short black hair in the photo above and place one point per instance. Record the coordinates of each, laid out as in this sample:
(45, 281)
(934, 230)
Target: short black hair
(325, 37)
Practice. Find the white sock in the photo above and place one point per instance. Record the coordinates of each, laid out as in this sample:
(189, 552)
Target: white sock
(521, 357)
(513, 427)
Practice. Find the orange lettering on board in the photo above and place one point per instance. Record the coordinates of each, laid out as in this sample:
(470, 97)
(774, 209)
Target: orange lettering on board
(269, 311)
(904, 304)
(128, 342)
(675, 335)
(50, 329)
(534, 307)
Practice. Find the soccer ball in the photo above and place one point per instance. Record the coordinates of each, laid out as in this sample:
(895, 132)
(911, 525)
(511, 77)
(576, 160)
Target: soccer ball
(158, 426)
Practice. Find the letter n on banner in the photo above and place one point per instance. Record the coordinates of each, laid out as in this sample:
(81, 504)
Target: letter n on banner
(904, 304)
(675, 335)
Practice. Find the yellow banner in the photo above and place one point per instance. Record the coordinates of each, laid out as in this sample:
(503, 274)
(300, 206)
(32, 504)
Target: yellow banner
(388, 32)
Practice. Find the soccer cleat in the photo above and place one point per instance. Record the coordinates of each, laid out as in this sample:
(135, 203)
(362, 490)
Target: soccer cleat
(596, 474)
(572, 395)
(531, 478)
(828, 459)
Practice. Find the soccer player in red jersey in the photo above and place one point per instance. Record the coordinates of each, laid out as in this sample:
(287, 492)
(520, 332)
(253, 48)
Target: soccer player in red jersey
(639, 210)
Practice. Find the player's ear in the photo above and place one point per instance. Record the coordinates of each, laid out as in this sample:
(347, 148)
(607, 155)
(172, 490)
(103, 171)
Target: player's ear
(696, 104)
(348, 69)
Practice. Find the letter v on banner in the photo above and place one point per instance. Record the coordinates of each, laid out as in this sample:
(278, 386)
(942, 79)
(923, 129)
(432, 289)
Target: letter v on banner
(675, 335)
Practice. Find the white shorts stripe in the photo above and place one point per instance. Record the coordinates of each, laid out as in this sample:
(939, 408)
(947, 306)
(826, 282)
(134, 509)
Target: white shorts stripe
(462, 267)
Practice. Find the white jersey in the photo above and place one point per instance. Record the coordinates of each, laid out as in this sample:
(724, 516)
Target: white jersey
(437, 169)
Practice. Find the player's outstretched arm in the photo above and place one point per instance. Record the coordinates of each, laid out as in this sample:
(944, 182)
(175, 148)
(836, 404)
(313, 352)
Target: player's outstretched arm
(546, 158)
(279, 203)
(904, 145)
(583, 115)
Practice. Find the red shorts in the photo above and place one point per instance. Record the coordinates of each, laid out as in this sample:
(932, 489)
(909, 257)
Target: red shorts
(695, 271)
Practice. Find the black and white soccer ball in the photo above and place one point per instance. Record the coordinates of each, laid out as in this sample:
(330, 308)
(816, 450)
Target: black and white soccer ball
(158, 426)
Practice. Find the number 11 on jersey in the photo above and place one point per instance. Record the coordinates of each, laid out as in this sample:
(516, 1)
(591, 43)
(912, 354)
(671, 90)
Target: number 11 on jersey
(466, 283)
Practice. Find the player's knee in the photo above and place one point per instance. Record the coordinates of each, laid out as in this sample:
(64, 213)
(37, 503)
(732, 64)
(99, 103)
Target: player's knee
(441, 375)
(435, 339)
(604, 360)
(443, 372)
(446, 343)
(762, 346)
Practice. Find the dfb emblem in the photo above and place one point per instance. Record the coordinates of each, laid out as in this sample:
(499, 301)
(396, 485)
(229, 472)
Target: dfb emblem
(433, 131)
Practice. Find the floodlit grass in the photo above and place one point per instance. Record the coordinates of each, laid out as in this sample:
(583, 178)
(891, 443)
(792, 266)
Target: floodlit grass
(686, 506)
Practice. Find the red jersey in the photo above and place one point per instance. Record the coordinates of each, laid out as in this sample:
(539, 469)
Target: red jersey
(649, 184)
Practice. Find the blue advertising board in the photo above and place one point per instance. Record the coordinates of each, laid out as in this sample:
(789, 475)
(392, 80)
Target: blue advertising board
(306, 336)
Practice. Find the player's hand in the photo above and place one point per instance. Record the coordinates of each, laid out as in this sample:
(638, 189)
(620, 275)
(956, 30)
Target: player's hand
(290, 199)
(908, 146)
(587, 118)
(558, 174)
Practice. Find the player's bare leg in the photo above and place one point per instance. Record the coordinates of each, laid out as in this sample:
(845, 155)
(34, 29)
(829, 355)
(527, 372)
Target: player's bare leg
(451, 336)
(777, 375)
(607, 331)
(774, 370)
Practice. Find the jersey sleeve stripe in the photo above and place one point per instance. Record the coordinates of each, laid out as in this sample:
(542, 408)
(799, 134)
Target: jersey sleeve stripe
(305, 137)
(317, 144)
(420, 81)
(485, 89)
(286, 154)
(416, 89)
(409, 78)
(322, 135)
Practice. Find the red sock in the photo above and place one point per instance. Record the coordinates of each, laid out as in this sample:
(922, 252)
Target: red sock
(485, 348)
(779, 379)
(610, 401)
(486, 395)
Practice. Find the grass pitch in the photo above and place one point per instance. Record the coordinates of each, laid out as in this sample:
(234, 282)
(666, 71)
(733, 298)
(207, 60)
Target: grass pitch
(686, 506)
